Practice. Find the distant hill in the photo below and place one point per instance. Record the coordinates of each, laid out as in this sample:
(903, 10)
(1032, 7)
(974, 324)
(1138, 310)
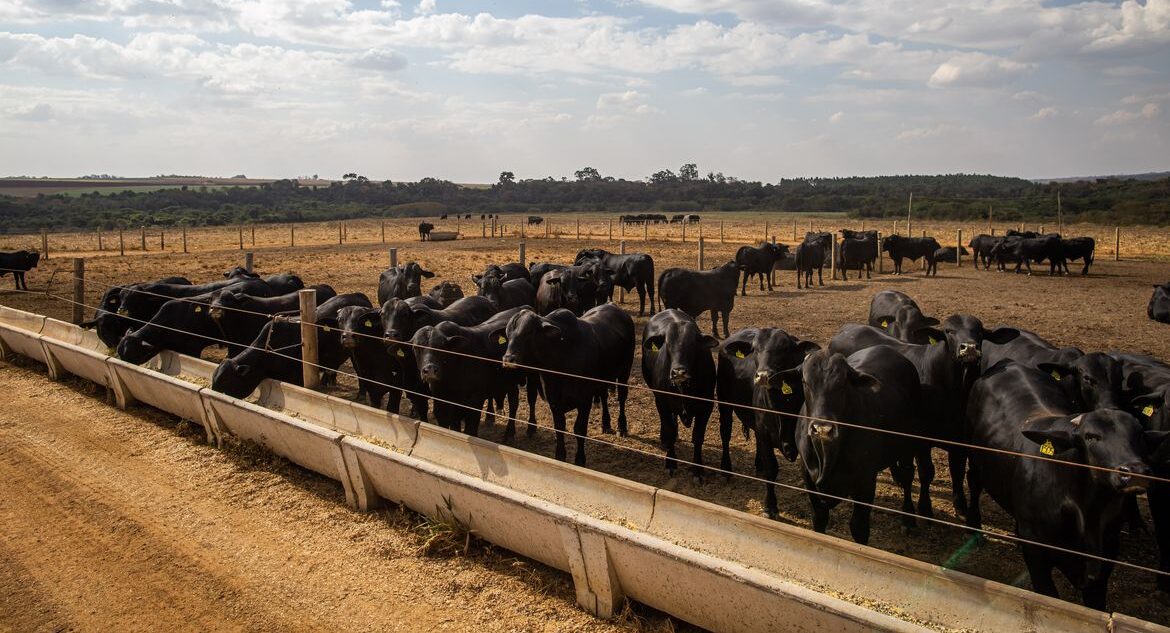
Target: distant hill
(1149, 175)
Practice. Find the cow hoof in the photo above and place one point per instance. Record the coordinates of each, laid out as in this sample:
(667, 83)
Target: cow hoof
(697, 480)
(772, 514)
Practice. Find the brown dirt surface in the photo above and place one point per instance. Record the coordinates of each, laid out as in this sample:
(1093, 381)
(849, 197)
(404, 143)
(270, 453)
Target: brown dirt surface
(122, 521)
(1103, 311)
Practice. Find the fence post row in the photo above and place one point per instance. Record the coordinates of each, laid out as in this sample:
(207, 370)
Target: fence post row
(78, 290)
(310, 374)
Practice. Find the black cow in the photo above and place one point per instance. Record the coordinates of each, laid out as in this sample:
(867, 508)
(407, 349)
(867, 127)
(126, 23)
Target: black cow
(598, 345)
(1076, 248)
(240, 316)
(632, 271)
(947, 365)
(505, 295)
(899, 316)
(1092, 381)
(1024, 234)
(1029, 349)
(140, 302)
(467, 216)
(911, 248)
(1025, 250)
(676, 359)
(560, 289)
(402, 318)
(240, 272)
(276, 352)
(402, 282)
(108, 323)
(982, 246)
(696, 291)
(759, 260)
(284, 283)
(446, 293)
(361, 337)
(747, 380)
(875, 388)
(1159, 307)
(538, 271)
(858, 251)
(18, 263)
(534, 220)
(183, 325)
(1023, 410)
(506, 272)
(448, 359)
(950, 254)
(424, 231)
(811, 254)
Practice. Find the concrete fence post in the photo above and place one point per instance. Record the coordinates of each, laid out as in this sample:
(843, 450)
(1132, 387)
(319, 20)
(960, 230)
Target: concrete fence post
(78, 290)
(523, 261)
(701, 267)
(248, 260)
(393, 257)
(310, 374)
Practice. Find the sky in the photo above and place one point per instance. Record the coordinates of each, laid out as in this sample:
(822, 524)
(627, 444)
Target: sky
(758, 89)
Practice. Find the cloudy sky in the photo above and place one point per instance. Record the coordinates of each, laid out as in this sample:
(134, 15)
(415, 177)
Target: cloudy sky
(762, 89)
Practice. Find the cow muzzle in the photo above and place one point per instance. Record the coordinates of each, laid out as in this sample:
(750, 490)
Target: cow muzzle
(969, 353)
(1132, 478)
(822, 432)
(215, 313)
(429, 373)
(509, 361)
(763, 378)
(679, 377)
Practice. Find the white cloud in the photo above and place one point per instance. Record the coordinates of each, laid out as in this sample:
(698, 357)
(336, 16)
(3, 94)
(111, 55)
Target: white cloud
(1118, 117)
(425, 7)
(928, 132)
(1047, 112)
(977, 69)
(836, 117)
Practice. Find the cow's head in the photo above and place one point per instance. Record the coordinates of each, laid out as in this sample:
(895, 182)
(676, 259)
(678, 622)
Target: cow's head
(677, 348)
(235, 379)
(397, 320)
(1111, 440)
(1093, 381)
(776, 383)
(135, 349)
(832, 393)
(358, 323)
(533, 339)
(447, 293)
(963, 336)
(568, 283)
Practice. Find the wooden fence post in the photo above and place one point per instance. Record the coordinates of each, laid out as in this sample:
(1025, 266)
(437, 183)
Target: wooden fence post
(765, 231)
(833, 259)
(578, 228)
(793, 230)
(879, 257)
(292, 235)
(645, 231)
(684, 232)
(483, 228)
(121, 243)
(162, 240)
(99, 241)
(248, 259)
(959, 249)
(621, 291)
(523, 262)
(78, 290)
(383, 231)
(721, 231)
(253, 235)
(700, 253)
(1116, 243)
(144, 239)
(611, 229)
(340, 235)
(394, 258)
(310, 374)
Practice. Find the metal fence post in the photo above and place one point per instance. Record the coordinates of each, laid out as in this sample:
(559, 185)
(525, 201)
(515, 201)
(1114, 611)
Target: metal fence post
(310, 373)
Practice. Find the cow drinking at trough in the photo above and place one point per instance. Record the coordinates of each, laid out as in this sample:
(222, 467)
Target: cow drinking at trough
(676, 359)
(696, 291)
(1023, 410)
(108, 323)
(598, 345)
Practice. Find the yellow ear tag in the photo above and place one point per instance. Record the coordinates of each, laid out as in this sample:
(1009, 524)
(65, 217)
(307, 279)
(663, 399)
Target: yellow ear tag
(785, 388)
(199, 308)
(326, 328)
(739, 353)
(885, 324)
(931, 339)
(1148, 410)
(502, 340)
(368, 323)
(1047, 449)
(653, 347)
(122, 311)
(1056, 375)
(401, 354)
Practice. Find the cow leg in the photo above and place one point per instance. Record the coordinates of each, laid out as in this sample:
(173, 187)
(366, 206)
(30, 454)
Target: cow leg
(623, 391)
(761, 282)
(902, 471)
(667, 432)
(859, 520)
(820, 276)
(820, 505)
(471, 421)
(558, 417)
(393, 400)
(533, 391)
(925, 479)
(743, 285)
(513, 406)
(715, 322)
(603, 398)
(768, 467)
(581, 428)
(957, 463)
(798, 278)
(975, 488)
(650, 293)
(642, 299)
(726, 315)
(698, 434)
(418, 408)
(1159, 497)
(725, 422)
(1040, 570)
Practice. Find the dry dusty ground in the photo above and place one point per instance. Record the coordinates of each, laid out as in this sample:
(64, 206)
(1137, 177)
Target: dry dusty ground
(1103, 311)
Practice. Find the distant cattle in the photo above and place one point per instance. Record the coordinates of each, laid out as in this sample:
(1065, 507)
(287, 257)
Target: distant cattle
(1025, 250)
(982, 246)
(810, 255)
(424, 230)
(443, 217)
(950, 254)
(858, 251)
(1159, 307)
(697, 291)
(598, 346)
(446, 293)
(676, 359)
(911, 248)
(534, 220)
(630, 271)
(759, 260)
(1043, 496)
(402, 282)
(1076, 248)
(643, 218)
(18, 263)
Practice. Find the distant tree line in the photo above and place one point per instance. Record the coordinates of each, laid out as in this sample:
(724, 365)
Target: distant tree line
(951, 196)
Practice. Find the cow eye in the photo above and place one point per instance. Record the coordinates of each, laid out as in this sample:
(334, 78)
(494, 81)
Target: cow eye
(1092, 437)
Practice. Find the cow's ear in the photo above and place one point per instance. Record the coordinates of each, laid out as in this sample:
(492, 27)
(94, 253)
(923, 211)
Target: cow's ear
(1052, 440)
(243, 370)
(456, 341)
(789, 382)
(653, 344)
(884, 322)
(930, 321)
(738, 349)
(1058, 371)
(425, 273)
(862, 380)
(929, 336)
(1146, 406)
(804, 348)
(1001, 335)
(708, 341)
(551, 330)
(498, 337)
(477, 278)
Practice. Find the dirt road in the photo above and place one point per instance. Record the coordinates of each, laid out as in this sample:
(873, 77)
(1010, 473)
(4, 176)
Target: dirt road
(119, 521)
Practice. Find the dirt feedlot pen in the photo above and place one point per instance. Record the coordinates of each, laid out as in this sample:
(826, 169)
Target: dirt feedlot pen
(1103, 311)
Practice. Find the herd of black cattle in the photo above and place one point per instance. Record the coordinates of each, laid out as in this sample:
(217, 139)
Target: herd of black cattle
(879, 395)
